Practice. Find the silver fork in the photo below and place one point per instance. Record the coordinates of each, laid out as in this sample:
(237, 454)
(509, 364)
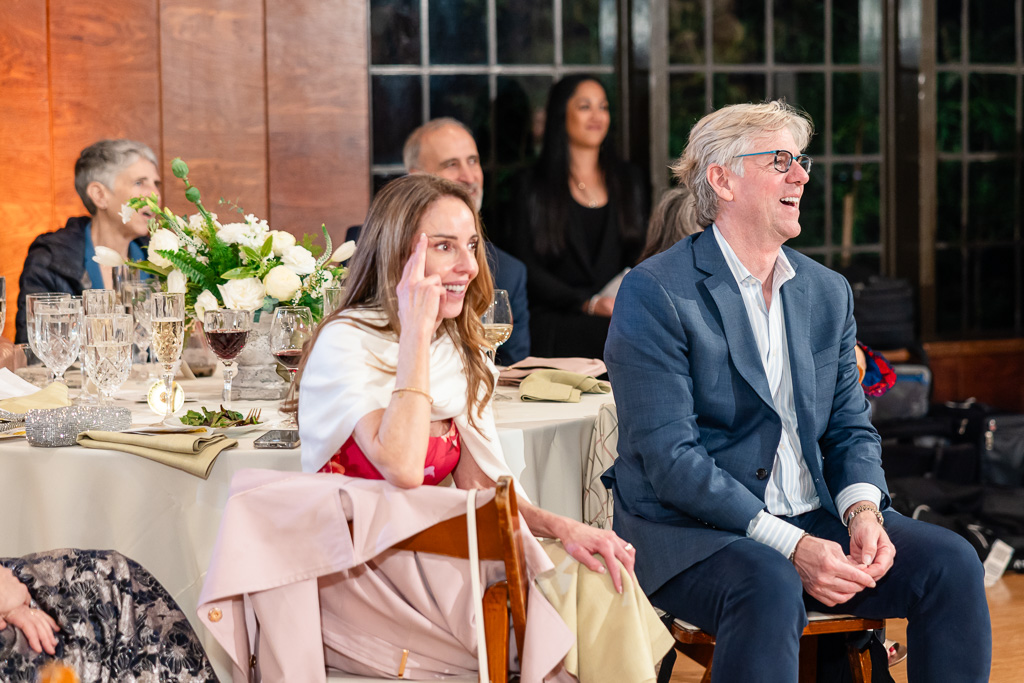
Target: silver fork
(253, 417)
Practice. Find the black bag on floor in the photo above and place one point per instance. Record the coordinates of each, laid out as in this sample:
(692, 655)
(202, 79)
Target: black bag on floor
(1002, 455)
(884, 310)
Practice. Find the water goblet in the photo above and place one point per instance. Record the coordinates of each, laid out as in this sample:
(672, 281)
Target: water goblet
(108, 351)
(99, 301)
(139, 295)
(226, 332)
(58, 327)
(290, 329)
(168, 337)
(30, 316)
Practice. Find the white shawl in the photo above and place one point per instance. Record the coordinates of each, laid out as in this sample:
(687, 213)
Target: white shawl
(351, 373)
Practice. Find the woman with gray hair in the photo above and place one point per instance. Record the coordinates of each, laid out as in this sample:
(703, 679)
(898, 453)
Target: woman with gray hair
(107, 174)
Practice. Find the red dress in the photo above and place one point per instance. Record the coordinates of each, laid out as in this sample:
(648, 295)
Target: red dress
(442, 457)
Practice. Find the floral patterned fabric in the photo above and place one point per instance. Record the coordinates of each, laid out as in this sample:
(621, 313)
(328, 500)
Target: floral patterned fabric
(117, 622)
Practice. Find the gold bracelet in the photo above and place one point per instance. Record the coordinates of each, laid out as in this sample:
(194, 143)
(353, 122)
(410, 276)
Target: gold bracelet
(415, 391)
(864, 507)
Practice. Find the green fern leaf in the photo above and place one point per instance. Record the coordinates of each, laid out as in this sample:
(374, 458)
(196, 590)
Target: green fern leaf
(193, 269)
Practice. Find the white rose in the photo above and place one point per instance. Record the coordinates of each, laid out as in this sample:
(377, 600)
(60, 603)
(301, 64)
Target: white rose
(243, 295)
(176, 282)
(105, 256)
(162, 240)
(299, 260)
(344, 252)
(206, 301)
(282, 283)
(282, 241)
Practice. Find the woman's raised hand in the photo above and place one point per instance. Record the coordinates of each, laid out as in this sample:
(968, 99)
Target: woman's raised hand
(419, 296)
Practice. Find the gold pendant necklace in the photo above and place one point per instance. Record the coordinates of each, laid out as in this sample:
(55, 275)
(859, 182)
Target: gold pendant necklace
(583, 188)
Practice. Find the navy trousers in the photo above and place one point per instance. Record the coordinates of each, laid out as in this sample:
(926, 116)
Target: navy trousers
(751, 599)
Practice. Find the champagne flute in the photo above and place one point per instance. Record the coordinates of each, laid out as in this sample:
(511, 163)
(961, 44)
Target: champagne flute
(168, 336)
(108, 351)
(497, 320)
(58, 327)
(291, 328)
(226, 332)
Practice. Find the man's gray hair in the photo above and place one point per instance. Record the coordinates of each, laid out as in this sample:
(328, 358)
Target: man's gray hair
(721, 135)
(411, 150)
(102, 161)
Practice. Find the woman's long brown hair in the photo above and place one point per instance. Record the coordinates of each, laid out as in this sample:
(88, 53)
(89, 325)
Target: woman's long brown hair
(385, 244)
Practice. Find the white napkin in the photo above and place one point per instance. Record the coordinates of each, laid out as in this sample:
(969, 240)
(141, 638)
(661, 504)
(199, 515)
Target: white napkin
(12, 386)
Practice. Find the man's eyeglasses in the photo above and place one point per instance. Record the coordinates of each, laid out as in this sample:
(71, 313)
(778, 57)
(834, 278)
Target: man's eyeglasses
(783, 159)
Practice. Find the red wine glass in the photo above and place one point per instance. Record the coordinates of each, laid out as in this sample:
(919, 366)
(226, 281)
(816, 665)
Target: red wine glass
(226, 332)
(291, 327)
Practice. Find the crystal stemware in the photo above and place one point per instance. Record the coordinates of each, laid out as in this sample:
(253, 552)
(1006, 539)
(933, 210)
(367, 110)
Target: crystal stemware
(332, 298)
(291, 327)
(108, 351)
(226, 332)
(497, 320)
(100, 301)
(168, 336)
(30, 316)
(138, 295)
(58, 327)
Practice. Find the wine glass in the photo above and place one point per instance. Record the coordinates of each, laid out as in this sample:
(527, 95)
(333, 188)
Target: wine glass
(99, 301)
(291, 328)
(497, 320)
(139, 295)
(226, 332)
(108, 351)
(332, 298)
(168, 336)
(58, 328)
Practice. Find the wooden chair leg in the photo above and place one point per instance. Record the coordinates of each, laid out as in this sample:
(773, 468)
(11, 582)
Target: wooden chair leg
(860, 663)
(808, 659)
(496, 629)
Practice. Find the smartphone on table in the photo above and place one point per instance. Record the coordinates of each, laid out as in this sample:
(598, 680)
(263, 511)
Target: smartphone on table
(279, 438)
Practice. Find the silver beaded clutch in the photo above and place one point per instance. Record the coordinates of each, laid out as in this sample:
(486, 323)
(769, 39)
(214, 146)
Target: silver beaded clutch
(53, 427)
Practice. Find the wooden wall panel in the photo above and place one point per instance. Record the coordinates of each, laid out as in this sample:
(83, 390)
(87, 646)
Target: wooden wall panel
(214, 100)
(991, 371)
(317, 102)
(104, 83)
(25, 185)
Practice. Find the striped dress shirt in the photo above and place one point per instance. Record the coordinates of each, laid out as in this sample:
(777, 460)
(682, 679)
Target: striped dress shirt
(790, 490)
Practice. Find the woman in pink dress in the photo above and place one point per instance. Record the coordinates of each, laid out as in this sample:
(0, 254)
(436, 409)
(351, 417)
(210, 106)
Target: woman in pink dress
(395, 385)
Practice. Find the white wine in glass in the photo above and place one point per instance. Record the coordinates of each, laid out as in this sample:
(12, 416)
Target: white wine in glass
(497, 322)
(168, 336)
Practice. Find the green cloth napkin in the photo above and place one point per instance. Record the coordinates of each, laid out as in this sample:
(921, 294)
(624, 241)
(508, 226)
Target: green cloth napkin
(190, 453)
(560, 385)
(54, 395)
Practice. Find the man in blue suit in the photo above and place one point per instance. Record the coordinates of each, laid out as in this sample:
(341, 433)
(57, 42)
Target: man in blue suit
(445, 147)
(749, 476)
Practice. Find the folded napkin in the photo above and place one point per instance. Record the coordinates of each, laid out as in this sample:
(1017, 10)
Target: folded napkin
(190, 453)
(514, 374)
(53, 396)
(559, 385)
(12, 386)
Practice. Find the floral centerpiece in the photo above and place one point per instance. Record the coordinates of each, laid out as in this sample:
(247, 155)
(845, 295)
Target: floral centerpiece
(241, 265)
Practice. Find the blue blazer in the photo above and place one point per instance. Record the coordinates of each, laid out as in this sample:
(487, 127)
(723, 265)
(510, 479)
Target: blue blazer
(697, 424)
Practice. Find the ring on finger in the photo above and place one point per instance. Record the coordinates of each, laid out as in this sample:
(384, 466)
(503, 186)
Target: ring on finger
(629, 546)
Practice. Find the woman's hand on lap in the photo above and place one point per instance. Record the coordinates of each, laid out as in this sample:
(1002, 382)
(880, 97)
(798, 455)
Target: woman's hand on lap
(583, 542)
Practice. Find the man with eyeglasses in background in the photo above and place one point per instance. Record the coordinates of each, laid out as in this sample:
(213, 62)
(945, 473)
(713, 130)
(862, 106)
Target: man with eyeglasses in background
(749, 476)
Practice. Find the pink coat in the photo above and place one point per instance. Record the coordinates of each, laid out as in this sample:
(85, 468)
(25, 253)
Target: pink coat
(284, 543)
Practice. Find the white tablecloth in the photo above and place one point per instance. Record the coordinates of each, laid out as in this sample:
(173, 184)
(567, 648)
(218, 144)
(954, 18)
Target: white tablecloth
(167, 520)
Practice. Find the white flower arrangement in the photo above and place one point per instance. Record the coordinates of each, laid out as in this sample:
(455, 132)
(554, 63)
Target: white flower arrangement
(243, 265)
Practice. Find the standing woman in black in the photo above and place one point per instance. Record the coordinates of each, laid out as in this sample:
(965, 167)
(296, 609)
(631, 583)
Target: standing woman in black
(581, 222)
